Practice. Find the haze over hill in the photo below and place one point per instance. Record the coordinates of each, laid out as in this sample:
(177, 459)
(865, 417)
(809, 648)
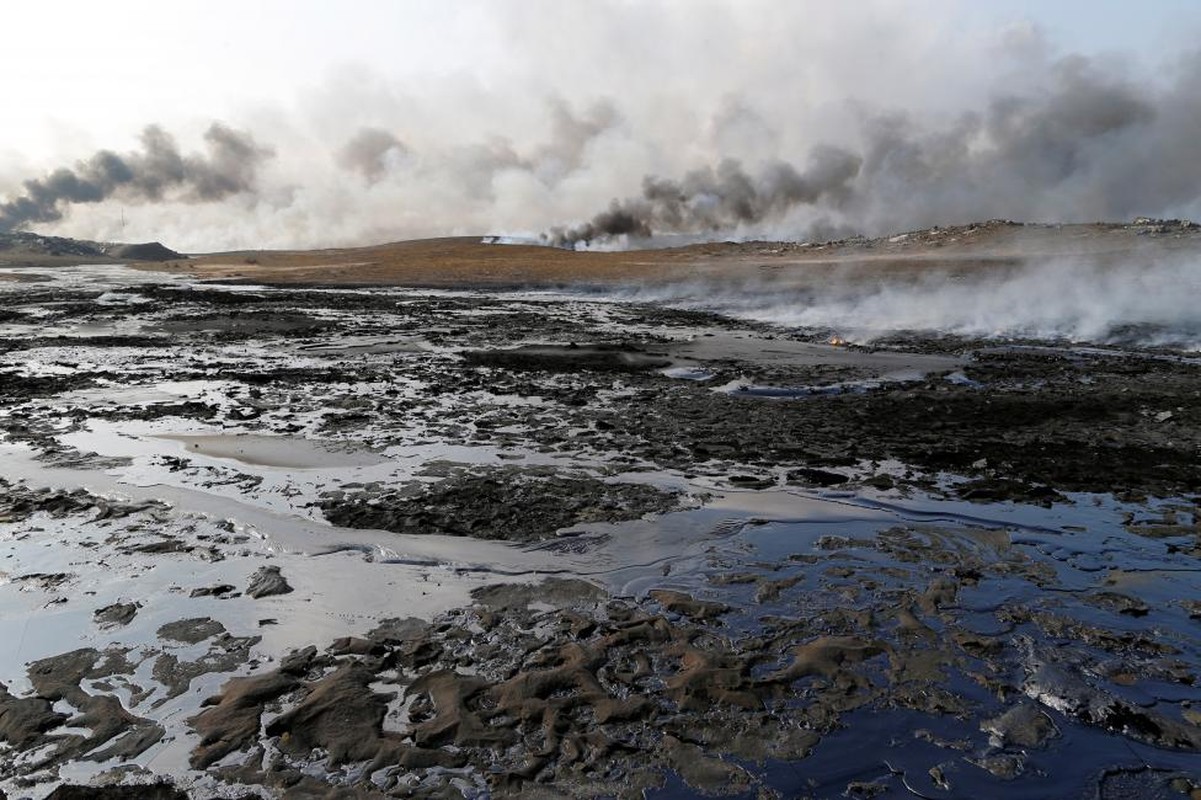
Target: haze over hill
(779, 121)
(24, 249)
(1116, 283)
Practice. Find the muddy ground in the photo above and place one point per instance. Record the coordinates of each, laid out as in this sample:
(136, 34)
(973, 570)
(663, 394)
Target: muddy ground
(349, 542)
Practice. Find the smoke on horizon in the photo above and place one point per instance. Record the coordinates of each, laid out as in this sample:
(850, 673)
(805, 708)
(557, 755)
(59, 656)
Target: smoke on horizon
(146, 176)
(711, 201)
(761, 120)
(371, 152)
(1088, 146)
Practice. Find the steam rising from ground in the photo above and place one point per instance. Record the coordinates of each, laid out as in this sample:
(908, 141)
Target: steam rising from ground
(1146, 301)
(751, 119)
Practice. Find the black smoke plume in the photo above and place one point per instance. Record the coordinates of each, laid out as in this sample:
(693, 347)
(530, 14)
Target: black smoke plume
(158, 170)
(1089, 144)
(708, 200)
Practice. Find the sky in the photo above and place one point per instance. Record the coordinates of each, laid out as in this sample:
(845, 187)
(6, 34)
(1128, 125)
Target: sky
(307, 123)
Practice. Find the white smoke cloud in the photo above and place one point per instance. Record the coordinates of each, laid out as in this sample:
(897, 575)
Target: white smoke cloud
(582, 102)
(1145, 298)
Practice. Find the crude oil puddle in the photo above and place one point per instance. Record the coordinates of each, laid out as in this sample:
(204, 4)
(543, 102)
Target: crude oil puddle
(768, 350)
(278, 451)
(805, 642)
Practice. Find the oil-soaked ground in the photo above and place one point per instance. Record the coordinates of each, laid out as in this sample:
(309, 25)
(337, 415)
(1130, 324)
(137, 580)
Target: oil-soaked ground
(367, 543)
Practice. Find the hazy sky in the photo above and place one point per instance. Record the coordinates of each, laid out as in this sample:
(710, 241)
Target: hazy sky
(462, 83)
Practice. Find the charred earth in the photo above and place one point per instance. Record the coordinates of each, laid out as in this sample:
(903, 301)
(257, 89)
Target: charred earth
(267, 539)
